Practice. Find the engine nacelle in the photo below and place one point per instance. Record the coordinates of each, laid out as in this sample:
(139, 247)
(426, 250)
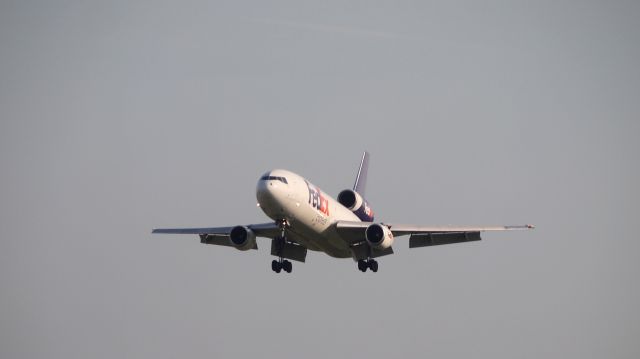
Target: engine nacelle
(358, 205)
(242, 238)
(379, 236)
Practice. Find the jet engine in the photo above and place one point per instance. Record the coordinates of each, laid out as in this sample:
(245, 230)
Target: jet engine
(379, 236)
(358, 205)
(242, 238)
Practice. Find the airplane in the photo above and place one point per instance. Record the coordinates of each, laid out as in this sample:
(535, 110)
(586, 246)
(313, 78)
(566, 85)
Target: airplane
(306, 218)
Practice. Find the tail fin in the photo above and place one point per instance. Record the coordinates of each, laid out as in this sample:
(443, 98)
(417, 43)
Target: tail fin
(361, 178)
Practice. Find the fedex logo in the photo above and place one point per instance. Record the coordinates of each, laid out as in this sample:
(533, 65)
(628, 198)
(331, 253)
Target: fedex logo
(317, 200)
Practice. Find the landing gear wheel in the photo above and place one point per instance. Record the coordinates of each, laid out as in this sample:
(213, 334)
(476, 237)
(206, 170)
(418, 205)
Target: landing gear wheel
(373, 265)
(286, 265)
(362, 265)
(276, 266)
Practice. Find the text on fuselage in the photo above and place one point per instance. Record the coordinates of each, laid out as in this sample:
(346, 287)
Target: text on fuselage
(317, 200)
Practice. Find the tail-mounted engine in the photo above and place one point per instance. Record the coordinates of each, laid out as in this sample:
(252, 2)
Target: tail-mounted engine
(358, 205)
(242, 238)
(379, 236)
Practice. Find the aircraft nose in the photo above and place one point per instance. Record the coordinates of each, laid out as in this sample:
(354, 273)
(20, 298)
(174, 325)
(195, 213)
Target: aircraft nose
(262, 189)
(268, 190)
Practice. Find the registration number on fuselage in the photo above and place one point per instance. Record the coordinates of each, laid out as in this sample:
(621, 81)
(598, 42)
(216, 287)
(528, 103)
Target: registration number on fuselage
(320, 220)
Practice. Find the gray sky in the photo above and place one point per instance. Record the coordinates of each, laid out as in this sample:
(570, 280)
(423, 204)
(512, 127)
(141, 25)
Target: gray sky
(120, 116)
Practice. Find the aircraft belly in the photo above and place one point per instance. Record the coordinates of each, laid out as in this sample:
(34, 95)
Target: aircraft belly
(323, 241)
(317, 232)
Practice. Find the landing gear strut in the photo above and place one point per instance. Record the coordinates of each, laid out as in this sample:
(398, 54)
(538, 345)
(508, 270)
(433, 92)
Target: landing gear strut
(279, 264)
(370, 263)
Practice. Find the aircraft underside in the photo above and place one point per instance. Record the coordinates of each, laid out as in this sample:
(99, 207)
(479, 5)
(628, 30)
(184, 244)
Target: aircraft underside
(290, 244)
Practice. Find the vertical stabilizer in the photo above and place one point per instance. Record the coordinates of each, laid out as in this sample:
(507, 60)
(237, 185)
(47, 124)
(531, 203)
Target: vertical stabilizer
(361, 178)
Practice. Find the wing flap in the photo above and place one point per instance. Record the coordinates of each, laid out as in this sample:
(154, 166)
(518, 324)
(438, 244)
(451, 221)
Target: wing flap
(208, 230)
(404, 229)
(434, 239)
(422, 236)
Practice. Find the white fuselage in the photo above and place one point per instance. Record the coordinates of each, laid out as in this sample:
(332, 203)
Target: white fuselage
(309, 212)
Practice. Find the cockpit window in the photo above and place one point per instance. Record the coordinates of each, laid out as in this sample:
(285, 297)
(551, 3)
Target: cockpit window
(274, 178)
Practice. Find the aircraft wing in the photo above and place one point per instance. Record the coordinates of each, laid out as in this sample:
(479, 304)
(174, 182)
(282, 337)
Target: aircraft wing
(423, 236)
(268, 230)
(222, 231)
(220, 235)
(403, 229)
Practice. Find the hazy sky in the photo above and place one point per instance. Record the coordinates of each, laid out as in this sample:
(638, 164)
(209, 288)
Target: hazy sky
(120, 116)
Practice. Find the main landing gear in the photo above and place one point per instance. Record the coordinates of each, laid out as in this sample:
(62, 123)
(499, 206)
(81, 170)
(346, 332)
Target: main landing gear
(370, 263)
(277, 265)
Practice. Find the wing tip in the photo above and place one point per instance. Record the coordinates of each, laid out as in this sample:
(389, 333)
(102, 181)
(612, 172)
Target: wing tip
(524, 226)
